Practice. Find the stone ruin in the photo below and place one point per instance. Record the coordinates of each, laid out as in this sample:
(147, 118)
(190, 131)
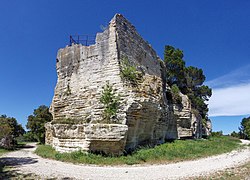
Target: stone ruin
(146, 116)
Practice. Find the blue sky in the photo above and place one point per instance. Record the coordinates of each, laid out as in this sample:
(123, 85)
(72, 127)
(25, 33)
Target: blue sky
(214, 36)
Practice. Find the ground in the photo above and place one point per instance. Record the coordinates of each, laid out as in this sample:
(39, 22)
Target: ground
(30, 166)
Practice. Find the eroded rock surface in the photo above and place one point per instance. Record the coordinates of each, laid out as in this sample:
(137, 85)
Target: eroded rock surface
(145, 116)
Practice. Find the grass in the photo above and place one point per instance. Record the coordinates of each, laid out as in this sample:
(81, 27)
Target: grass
(178, 150)
(3, 151)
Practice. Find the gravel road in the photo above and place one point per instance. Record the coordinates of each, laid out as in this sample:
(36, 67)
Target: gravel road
(26, 161)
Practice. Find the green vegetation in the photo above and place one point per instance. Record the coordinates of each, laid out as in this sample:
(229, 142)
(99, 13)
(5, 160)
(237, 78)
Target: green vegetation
(3, 151)
(111, 103)
(27, 137)
(129, 73)
(235, 134)
(169, 152)
(176, 94)
(9, 131)
(189, 80)
(36, 123)
(244, 128)
(175, 66)
(217, 133)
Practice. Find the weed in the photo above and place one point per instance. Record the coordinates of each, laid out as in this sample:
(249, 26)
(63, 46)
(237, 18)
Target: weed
(3, 151)
(129, 72)
(110, 101)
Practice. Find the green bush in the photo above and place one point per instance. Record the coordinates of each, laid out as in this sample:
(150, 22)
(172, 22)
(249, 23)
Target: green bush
(217, 134)
(110, 101)
(129, 72)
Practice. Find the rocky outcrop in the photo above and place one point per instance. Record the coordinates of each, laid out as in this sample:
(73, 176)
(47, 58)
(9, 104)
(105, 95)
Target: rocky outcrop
(207, 128)
(189, 122)
(106, 138)
(145, 116)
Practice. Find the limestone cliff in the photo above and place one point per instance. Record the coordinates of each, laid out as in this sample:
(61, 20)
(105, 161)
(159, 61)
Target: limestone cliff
(145, 116)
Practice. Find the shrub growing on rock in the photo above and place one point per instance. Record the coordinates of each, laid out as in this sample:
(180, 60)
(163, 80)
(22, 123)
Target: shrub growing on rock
(110, 101)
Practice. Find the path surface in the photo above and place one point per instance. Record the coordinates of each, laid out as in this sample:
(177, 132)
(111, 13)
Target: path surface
(25, 161)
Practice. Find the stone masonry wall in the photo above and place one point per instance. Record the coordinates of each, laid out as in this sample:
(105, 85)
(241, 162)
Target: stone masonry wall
(147, 113)
(82, 72)
(145, 117)
(107, 138)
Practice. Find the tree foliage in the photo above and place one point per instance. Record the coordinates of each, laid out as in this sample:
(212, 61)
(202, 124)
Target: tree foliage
(188, 79)
(14, 128)
(175, 66)
(36, 122)
(175, 94)
(9, 131)
(194, 77)
(110, 101)
(245, 128)
(235, 134)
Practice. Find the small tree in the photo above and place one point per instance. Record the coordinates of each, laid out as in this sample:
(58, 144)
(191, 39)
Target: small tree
(36, 123)
(235, 134)
(188, 79)
(245, 128)
(175, 66)
(110, 101)
(9, 131)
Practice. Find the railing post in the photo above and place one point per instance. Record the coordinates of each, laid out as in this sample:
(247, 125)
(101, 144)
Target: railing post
(84, 39)
(70, 40)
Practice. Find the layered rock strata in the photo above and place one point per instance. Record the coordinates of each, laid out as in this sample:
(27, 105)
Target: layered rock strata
(145, 116)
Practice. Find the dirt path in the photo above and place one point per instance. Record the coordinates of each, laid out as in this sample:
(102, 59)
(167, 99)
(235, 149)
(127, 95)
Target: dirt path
(25, 161)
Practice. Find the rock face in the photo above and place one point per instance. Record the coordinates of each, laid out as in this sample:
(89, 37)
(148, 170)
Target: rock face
(7, 142)
(145, 116)
(189, 122)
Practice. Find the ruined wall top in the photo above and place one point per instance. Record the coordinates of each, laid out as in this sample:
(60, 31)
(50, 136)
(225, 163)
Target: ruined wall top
(144, 116)
(132, 45)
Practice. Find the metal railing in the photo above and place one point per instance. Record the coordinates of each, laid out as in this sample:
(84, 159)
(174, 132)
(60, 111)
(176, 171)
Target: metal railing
(85, 40)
